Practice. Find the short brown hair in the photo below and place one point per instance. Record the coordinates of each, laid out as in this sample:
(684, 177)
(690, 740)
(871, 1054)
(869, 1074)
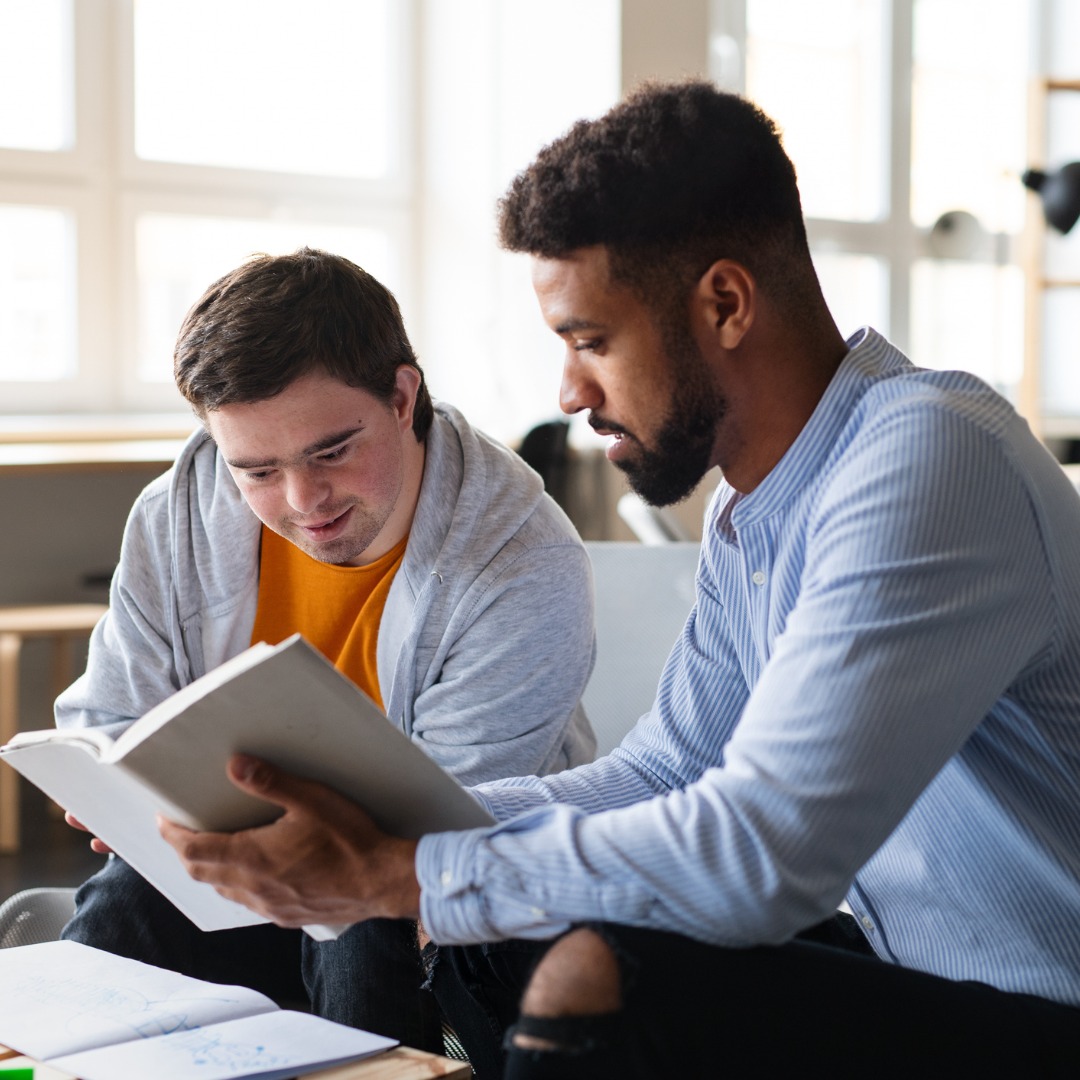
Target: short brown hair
(278, 317)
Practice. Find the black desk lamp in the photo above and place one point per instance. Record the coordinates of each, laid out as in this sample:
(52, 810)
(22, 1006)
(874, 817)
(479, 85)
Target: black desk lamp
(1059, 192)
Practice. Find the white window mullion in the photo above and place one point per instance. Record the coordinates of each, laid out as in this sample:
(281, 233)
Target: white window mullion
(903, 243)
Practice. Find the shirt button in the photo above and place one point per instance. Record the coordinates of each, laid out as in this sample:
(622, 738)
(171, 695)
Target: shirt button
(446, 879)
(758, 577)
(868, 923)
(539, 913)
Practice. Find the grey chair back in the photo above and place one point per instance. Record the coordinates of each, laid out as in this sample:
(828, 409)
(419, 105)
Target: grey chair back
(643, 596)
(35, 915)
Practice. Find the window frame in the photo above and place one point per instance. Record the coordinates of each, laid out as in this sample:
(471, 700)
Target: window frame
(894, 237)
(104, 185)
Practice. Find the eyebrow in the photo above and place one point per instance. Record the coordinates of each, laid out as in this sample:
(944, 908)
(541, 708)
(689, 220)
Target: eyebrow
(569, 326)
(314, 448)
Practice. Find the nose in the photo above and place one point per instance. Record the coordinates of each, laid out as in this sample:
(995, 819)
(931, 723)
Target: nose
(306, 490)
(578, 390)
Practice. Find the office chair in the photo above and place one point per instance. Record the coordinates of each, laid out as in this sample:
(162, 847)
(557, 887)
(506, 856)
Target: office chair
(643, 596)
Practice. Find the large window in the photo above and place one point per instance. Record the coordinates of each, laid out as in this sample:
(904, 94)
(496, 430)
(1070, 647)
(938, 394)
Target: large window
(909, 143)
(148, 146)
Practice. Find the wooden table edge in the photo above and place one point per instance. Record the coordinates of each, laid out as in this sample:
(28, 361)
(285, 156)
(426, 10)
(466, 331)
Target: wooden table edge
(401, 1063)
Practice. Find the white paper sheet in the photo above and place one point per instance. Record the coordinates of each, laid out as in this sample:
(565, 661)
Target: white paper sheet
(271, 1046)
(60, 997)
(104, 1017)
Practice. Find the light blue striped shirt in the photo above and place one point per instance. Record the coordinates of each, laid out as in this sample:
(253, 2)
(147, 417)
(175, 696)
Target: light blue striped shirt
(877, 696)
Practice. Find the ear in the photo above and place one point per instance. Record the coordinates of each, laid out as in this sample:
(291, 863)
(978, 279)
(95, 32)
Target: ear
(726, 298)
(403, 399)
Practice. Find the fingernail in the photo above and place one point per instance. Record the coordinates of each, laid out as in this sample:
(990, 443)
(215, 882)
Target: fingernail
(244, 767)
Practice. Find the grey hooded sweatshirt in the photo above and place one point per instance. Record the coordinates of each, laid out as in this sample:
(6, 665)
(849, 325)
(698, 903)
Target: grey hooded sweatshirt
(486, 641)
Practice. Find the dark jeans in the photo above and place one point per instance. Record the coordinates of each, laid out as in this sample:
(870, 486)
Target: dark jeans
(368, 978)
(821, 1004)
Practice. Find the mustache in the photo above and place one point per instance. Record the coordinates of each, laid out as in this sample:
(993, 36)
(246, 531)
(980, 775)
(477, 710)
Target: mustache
(598, 423)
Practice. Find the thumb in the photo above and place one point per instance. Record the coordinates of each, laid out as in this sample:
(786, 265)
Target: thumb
(260, 778)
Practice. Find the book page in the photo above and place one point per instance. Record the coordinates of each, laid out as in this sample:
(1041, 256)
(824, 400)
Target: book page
(296, 711)
(284, 703)
(116, 807)
(271, 1047)
(61, 997)
(93, 740)
(186, 696)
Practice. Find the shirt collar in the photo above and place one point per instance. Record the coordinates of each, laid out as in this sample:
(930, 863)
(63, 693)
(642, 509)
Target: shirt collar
(869, 358)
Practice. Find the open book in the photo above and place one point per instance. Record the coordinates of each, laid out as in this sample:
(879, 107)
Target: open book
(284, 703)
(104, 1017)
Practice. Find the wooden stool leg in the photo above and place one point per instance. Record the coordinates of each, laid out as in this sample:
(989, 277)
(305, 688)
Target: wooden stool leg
(61, 668)
(10, 646)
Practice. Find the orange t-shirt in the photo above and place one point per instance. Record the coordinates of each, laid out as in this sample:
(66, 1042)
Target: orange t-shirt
(337, 608)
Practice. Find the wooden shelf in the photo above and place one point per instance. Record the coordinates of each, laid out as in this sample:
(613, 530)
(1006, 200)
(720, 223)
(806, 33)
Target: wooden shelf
(1036, 281)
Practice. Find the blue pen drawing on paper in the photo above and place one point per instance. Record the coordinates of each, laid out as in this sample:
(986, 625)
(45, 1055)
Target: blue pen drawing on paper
(126, 1008)
(208, 1049)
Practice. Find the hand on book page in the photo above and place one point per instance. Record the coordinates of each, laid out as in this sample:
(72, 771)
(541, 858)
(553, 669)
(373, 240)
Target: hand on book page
(323, 861)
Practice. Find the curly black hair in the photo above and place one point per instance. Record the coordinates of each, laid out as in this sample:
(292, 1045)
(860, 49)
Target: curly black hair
(672, 179)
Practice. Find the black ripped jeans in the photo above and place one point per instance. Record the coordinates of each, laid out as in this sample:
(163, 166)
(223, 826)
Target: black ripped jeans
(821, 1004)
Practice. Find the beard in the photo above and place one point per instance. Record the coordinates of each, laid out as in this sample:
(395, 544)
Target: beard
(668, 471)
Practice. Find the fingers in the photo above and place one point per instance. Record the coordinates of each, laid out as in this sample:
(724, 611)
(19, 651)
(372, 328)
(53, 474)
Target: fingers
(248, 867)
(96, 845)
(322, 861)
(195, 848)
(210, 857)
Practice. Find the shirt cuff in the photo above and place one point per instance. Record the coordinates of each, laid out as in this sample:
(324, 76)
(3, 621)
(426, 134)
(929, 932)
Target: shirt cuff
(451, 904)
